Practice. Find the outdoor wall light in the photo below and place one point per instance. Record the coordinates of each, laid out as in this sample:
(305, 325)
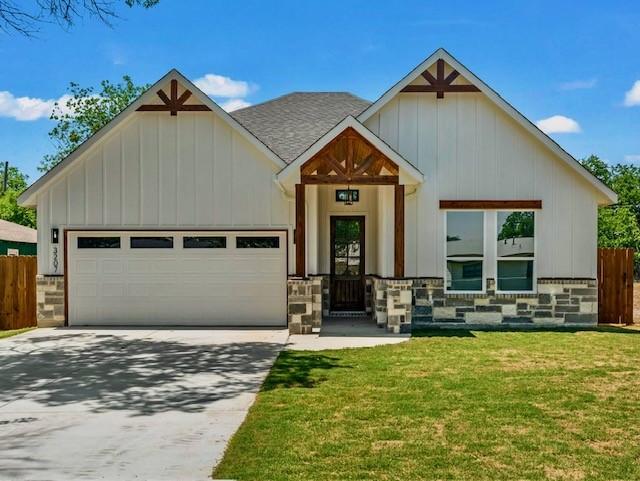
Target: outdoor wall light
(54, 235)
(348, 196)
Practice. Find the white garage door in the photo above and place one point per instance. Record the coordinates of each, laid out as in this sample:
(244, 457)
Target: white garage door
(177, 278)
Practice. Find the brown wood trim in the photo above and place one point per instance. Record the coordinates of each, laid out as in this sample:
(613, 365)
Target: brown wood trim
(168, 108)
(300, 230)
(66, 279)
(174, 229)
(352, 159)
(438, 89)
(173, 104)
(491, 204)
(355, 180)
(398, 258)
(440, 84)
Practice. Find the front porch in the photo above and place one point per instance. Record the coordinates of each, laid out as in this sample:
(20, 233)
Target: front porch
(345, 332)
(350, 232)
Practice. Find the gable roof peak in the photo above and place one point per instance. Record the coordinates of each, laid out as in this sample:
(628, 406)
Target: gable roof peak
(28, 197)
(501, 103)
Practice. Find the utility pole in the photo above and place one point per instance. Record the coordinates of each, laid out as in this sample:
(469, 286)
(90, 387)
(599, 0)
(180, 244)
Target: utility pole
(5, 181)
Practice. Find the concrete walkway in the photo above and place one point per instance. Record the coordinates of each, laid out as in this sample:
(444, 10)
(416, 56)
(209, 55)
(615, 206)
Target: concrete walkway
(341, 333)
(122, 404)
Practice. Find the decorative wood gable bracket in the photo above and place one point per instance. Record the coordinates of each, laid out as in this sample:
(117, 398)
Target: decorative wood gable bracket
(440, 84)
(174, 104)
(349, 159)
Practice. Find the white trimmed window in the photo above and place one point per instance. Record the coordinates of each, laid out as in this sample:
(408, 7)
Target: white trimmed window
(464, 248)
(515, 252)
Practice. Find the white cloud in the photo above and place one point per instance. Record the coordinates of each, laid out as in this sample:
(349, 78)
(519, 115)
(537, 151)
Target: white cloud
(632, 158)
(234, 104)
(632, 97)
(559, 124)
(27, 108)
(579, 84)
(221, 86)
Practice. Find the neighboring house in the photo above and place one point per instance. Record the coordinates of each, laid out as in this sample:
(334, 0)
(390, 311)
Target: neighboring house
(17, 240)
(179, 213)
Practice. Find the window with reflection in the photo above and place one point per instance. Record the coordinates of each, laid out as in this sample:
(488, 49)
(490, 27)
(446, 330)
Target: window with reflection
(465, 251)
(257, 242)
(151, 242)
(98, 242)
(515, 253)
(204, 242)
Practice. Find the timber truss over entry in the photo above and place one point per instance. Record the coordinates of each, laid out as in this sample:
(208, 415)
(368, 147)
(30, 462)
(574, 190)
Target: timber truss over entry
(349, 159)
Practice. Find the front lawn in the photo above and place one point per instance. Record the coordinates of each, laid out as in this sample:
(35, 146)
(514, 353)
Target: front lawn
(13, 332)
(457, 405)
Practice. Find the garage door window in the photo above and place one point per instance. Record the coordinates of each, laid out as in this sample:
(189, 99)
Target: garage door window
(152, 242)
(98, 242)
(204, 242)
(257, 242)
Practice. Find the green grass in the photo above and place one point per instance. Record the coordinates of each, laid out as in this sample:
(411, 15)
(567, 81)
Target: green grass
(463, 405)
(14, 332)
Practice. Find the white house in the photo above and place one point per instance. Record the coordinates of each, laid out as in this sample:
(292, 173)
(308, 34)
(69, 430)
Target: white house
(437, 203)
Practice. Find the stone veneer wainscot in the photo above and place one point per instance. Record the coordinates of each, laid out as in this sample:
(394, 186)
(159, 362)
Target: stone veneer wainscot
(400, 305)
(557, 302)
(50, 301)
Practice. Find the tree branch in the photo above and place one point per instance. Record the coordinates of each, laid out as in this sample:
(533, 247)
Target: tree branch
(19, 19)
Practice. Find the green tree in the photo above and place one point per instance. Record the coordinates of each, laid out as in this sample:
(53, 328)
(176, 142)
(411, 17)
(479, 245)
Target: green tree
(598, 167)
(9, 208)
(619, 225)
(625, 181)
(84, 113)
(517, 225)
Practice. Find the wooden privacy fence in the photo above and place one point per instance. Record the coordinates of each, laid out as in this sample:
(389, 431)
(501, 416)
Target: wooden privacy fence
(17, 291)
(615, 286)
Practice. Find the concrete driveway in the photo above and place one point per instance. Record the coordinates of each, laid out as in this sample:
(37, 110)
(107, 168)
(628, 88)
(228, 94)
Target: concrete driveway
(121, 404)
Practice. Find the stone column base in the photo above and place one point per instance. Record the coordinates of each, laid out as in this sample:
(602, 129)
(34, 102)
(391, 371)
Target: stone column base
(50, 301)
(304, 305)
(392, 301)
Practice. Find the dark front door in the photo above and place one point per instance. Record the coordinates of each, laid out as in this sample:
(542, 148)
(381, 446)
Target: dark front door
(347, 263)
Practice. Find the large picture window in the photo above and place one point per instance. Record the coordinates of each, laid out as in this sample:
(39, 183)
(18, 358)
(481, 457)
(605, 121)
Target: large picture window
(465, 251)
(515, 254)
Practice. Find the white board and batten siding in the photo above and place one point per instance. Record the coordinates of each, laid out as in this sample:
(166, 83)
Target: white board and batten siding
(158, 171)
(467, 148)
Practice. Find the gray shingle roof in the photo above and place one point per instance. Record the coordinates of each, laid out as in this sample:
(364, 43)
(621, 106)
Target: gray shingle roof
(288, 125)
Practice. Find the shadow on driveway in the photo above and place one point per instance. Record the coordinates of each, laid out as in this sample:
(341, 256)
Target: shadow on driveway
(118, 372)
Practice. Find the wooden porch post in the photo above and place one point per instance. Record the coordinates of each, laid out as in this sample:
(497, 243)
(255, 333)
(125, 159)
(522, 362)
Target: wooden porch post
(300, 231)
(398, 260)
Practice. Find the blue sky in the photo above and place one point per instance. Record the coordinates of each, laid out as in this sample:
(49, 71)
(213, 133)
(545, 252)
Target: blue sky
(579, 60)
